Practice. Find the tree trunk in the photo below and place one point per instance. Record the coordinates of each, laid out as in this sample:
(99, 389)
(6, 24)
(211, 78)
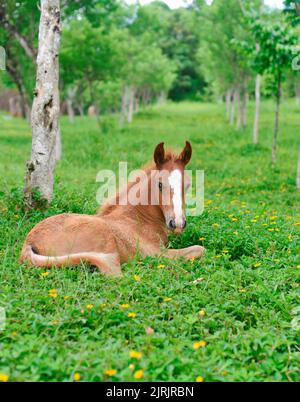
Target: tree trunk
(12, 68)
(23, 41)
(276, 125)
(239, 109)
(232, 107)
(136, 104)
(80, 109)
(257, 109)
(70, 110)
(245, 108)
(130, 104)
(125, 105)
(161, 99)
(94, 102)
(71, 92)
(297, 92)
(58, 146)
(45, 109)
(228, 101)
(298, 172)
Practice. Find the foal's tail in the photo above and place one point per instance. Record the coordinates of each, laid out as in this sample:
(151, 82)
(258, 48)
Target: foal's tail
(107, 263)
(28, 255)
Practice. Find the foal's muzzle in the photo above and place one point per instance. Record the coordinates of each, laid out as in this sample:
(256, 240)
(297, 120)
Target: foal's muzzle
(172, 225)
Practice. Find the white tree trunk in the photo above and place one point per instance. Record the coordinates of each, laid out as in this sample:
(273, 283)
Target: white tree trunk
(276, 125)
(136, 104)
(162, 97)
(257, 109)
(125, 105)
(297, 93)
(70, 110)
(45, 108)
(245, 108)
(239, 109)
(232, 107)
(298, 172)
(228, 101)
(130, 105)
(71, 92)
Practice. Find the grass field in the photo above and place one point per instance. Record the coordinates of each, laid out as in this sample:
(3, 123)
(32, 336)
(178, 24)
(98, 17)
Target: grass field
(246, 307)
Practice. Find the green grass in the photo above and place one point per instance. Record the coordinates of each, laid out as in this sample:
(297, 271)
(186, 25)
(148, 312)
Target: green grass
(250, 286)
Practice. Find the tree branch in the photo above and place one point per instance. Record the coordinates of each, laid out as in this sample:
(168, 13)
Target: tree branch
(29, 50)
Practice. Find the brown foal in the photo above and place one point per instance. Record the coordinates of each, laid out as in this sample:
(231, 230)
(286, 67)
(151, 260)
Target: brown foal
(120, 230)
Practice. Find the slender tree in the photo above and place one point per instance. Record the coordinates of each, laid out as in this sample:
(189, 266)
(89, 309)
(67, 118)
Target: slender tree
(45, 109)
(276, 41)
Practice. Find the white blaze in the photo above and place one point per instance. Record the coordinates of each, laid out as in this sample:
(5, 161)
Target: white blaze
(175, 181)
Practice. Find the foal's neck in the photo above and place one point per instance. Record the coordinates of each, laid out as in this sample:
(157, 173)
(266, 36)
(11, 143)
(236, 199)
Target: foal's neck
(149, 214)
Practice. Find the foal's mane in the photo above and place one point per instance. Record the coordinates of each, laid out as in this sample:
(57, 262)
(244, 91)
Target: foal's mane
(109, 207)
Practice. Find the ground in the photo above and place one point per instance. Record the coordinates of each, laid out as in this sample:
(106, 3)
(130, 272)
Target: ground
(239, 322)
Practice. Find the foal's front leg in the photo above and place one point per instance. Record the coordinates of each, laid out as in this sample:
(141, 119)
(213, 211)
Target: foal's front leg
(188, 252)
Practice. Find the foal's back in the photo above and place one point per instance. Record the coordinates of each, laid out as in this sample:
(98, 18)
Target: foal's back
(71, 233)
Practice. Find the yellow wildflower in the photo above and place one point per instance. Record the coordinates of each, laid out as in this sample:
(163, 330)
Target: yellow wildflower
(167, 299)
(89, 306)
(4, 377)
(258, 264)
(125, 305)
(202, 313)
(199, 379)
(135, 355)
(131, 315)
(137, 278)
(161, 266)
(111, 372)
(199, 344)
(53, 293)
(138, 374)
(76, 377)
(45, 274)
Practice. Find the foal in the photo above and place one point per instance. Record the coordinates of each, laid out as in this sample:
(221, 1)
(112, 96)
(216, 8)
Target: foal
(120, 230)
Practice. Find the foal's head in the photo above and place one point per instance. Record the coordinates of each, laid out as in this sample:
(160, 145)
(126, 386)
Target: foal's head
(171, 182)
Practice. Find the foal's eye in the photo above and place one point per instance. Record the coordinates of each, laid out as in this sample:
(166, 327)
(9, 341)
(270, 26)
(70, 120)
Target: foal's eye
(160, 186)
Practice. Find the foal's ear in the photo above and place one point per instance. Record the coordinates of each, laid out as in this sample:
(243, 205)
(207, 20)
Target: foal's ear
(159, 154)
(186, 154)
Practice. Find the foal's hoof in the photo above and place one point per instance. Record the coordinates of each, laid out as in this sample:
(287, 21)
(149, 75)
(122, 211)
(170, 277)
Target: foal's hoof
(196, 252)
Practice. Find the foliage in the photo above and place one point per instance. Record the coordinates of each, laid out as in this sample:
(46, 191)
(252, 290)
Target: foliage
(249, 292)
